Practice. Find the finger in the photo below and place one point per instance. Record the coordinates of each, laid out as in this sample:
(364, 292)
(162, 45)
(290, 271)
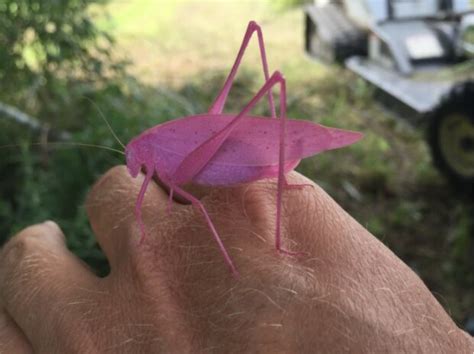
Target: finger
(12, 339)
(110, 206)
(254, 205)
(244, 217)
(42, 284)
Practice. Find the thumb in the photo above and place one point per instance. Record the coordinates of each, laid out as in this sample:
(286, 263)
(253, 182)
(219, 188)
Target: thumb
(40, 280)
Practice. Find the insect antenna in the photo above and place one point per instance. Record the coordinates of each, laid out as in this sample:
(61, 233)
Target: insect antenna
(105, 120)
(72, 143)
(65, 143)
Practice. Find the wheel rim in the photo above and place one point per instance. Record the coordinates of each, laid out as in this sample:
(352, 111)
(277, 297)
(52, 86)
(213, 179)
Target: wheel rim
(457, 143)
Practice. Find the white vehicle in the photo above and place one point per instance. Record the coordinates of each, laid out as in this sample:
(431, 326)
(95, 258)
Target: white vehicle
(419, 54)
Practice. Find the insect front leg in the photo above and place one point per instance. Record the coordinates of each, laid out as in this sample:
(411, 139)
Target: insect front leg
(197, 203)
(221, 98)
(163, 178)
(139, 203)
(170, 201)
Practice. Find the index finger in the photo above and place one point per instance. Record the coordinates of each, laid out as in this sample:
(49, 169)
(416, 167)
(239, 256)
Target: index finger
(110, 206)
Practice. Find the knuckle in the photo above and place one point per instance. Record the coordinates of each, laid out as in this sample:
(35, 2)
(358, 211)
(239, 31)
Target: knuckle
(13, 252)
(111, 178)
(117, 175)
(22, 244)
(112, 196)
(22, 252)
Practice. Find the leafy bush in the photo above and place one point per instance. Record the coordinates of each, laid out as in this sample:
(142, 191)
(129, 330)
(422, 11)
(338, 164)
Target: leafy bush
(51, 56)
(52, 53)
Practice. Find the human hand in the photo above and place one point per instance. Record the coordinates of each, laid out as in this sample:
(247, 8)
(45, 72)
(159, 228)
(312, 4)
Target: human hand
(174, 293)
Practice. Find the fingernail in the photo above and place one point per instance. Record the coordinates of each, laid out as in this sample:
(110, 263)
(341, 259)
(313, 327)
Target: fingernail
(50, 223)
(56, 230)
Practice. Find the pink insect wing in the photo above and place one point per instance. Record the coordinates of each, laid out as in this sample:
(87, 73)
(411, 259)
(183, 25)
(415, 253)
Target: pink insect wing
(256, 141)
(250, 152)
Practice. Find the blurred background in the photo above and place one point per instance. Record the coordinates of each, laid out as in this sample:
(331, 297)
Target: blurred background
(143, 62)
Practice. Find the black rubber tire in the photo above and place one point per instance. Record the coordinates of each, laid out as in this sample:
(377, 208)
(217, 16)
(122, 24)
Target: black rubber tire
(459, 103)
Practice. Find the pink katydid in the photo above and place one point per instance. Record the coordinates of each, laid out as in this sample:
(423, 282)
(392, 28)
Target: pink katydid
(217, 149)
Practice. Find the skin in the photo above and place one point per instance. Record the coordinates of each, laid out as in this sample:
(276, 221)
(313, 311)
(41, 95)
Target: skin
(174, 293)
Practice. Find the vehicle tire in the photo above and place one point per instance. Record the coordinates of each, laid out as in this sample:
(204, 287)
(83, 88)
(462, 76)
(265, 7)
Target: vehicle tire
(451, 137)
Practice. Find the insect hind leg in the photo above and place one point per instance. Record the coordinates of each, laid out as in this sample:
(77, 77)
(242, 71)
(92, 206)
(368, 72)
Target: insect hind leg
(197, 203)
(218, 105)
(282, 182)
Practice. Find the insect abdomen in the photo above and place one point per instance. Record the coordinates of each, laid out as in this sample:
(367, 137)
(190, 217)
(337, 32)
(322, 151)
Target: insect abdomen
(218, 174)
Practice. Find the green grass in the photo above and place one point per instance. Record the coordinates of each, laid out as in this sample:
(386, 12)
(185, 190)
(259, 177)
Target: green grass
(126, 18)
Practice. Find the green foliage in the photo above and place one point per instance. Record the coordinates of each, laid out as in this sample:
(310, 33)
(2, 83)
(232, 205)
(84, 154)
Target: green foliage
(51, 56)
(51, 182)
(286, 4)
(462, 250)
(51, 53)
